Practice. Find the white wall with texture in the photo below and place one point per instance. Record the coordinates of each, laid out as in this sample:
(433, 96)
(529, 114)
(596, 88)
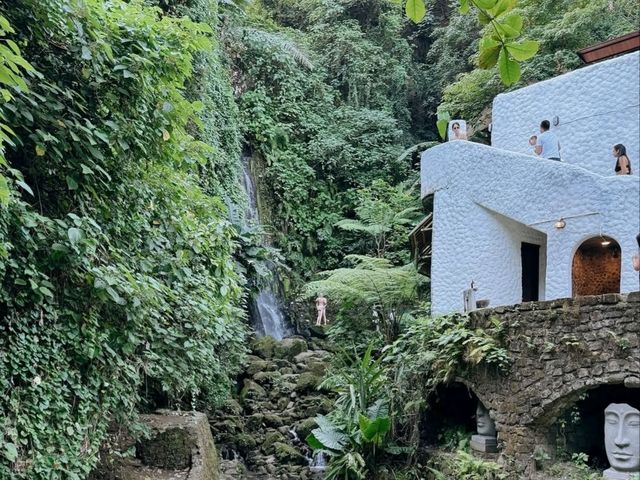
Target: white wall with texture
(488, 200)
(598, 107)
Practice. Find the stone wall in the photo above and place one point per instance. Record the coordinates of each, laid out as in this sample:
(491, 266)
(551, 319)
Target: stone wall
(560, 349)
(180, 447)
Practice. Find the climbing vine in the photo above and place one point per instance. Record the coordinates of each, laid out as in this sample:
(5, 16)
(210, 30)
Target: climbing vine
(117, 278)
(12, 68)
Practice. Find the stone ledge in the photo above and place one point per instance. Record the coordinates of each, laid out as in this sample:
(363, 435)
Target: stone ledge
(180, 447)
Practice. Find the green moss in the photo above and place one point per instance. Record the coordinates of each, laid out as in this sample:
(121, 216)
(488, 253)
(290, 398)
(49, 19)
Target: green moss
(287, 454)
(252, 391)
(307, 382)
(289, 348)
(264, 347)
(304, 427)
(270, 439)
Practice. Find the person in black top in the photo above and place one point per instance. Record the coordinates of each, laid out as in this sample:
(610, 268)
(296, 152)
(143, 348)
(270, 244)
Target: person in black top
(623, 165)
(635, 260)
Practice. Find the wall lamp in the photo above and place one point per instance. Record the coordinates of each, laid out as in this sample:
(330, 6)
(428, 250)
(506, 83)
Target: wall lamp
(560, 224)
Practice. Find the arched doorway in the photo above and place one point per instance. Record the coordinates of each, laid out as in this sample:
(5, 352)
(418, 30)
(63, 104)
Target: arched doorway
(596, 267)
(578, 427)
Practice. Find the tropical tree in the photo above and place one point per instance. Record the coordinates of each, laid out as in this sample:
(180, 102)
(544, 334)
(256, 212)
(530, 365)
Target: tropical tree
(355, 433)
(382, 211)
(502, 43)
(372, 291)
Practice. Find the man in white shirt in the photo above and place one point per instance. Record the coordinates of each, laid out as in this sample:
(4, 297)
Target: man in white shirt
(548, 145)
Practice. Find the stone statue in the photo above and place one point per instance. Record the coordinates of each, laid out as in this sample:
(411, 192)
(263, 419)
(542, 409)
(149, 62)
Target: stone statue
(485, 440)
(622, 441)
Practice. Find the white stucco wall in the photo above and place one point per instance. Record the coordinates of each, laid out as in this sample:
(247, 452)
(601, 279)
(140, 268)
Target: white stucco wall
(487, 201)
(598, 107)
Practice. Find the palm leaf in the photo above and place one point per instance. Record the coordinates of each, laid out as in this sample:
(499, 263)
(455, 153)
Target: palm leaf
(278, 41)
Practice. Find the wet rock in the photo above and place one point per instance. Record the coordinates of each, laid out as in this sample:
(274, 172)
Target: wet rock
(278, 397)
(311, 355)
(273, 420)
(244, 442)
(307, 382)
(231, 407)
(268, 445)
(317, 331)
(304, 427)
(255, 365)
(268, 378)
(252, 391)
(317, 367)
(288, 454)
(289, 348)
(264, 347)
(255, 422)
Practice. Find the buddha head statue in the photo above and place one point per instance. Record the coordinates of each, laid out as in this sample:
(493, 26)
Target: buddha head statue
(484, 423)
(622, 437)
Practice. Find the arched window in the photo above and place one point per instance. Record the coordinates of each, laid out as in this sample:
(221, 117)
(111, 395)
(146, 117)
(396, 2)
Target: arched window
(596, 267)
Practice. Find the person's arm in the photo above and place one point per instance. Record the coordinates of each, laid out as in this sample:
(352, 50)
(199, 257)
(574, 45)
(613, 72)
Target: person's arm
(538, 149)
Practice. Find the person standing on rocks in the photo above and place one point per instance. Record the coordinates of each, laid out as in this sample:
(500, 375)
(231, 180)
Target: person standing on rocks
(321, 307)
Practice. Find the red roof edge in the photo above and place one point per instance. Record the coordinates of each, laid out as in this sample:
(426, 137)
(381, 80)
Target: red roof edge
(610, 48)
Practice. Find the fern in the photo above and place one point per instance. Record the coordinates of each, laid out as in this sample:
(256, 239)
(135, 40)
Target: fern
(371, 281)
(382, 211)
(278, 41)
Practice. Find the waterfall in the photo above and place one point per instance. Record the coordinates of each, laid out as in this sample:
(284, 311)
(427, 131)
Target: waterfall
(264, 308)
(318, 463)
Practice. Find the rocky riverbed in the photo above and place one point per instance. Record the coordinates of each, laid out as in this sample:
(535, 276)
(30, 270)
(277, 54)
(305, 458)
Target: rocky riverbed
(260, 433)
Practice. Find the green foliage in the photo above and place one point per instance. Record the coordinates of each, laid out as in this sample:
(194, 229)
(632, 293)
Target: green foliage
(454, 439)
(415, 10)
(464, 465)
(499, 45)
(356, 431)
(325, 132)
(117, 268)
(442, 123)
(12, 68)
(371, 294)
(359, 383)
(577, 469)
(384, 214)
(432, 351)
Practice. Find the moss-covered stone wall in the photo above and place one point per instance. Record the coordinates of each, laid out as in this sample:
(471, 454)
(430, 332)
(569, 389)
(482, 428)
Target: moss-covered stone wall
(560, 350)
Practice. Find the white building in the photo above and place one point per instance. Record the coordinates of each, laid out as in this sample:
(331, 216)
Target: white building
(526, 228)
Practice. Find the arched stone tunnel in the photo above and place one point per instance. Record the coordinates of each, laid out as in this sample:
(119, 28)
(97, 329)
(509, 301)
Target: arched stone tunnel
(560, 350)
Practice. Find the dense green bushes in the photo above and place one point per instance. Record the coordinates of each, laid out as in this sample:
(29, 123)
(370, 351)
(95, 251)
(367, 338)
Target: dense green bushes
(326, 117)
(117, 267)
(375, 86)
